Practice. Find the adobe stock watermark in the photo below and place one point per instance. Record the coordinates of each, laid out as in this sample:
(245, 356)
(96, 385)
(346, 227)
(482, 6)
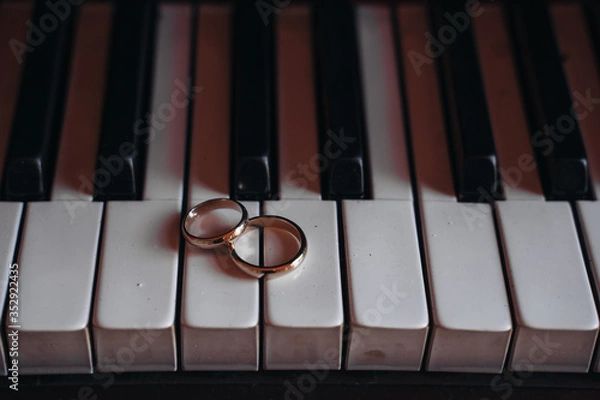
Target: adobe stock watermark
(305, 172)
(147, 127)
(13, 326)
(446, 35)
(59, 12)
(538, 354)
(125, 356)
(309, 171)
(266, 8)
(388, 299)
(545, 139)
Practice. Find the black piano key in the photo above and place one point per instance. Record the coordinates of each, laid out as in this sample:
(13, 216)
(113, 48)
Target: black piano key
(254, 127)
(342, 158)
(468, 120)
(31, 155)
(591, 10)
(556, 137)
(119, 173)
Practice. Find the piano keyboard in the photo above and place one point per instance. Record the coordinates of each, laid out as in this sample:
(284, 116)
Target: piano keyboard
(442, 160)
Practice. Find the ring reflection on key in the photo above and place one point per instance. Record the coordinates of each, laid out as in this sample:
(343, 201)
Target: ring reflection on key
(214, 222)
(285, 246)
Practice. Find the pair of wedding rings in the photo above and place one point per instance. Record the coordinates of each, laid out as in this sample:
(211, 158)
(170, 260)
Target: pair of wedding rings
(229, 237)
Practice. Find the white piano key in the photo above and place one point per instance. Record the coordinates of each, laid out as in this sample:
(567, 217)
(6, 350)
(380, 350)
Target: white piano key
(471, 316)
(220, 311)
(425, 112)
(298, 141)
(303, 313)
(10, 218)
(136, 292)
(555, 315)
(517, 166)
(209, 154)
(220, 305)
(13, 28)
(76, 161)
(388, 306)
(579, 63)
(383, 112)
(167, 122)
(54, 334)
(581, 70)
(589, 215)
(57, 265)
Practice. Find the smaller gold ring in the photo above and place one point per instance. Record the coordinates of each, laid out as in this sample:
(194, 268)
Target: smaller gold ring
(276, 222)
(207, 206)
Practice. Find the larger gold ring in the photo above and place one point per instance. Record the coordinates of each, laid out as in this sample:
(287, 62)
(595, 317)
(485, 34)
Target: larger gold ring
(276, 222)
(223, 238)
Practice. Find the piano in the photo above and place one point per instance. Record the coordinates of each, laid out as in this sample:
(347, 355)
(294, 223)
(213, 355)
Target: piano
(442, 159)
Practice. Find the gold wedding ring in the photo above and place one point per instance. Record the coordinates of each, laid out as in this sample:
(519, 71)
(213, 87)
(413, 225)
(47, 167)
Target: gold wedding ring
(228, 238)
(274, 222)
(223, 238)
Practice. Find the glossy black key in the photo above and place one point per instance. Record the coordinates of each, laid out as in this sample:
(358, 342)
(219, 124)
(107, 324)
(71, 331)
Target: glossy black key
(119, 173)
(342, 158)
(472, 140)
(592, 13)
(254, 125)
(31, 155)
(555, 132)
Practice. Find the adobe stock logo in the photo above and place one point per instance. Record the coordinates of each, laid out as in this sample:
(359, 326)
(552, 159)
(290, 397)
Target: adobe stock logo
(59, 11)
(446, 35)
(267, 8)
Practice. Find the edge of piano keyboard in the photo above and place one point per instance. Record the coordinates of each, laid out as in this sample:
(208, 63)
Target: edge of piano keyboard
(310, 384)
